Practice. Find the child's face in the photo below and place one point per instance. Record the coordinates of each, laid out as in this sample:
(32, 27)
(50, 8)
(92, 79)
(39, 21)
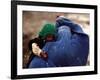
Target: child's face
(49, 38)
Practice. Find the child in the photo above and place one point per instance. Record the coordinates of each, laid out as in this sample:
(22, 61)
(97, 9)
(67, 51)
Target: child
(47, 34)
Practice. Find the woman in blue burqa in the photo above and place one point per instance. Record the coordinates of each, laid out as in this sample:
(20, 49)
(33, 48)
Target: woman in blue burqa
(70, 48)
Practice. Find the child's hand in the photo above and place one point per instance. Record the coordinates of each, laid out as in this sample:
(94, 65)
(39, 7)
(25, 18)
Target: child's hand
(44, 55)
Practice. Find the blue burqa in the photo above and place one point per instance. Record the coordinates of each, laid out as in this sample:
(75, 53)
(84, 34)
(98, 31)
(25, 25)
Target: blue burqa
(70, 49)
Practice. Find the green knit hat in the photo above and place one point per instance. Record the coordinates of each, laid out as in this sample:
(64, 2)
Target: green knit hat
(47, 29)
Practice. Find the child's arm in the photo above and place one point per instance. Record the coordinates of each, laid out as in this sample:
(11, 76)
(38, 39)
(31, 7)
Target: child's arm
(38, 52)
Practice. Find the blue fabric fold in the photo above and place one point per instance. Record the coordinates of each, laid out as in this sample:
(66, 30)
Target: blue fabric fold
(66, 22)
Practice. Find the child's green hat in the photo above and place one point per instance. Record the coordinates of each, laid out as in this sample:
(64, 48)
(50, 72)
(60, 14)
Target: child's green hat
(48, 29)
